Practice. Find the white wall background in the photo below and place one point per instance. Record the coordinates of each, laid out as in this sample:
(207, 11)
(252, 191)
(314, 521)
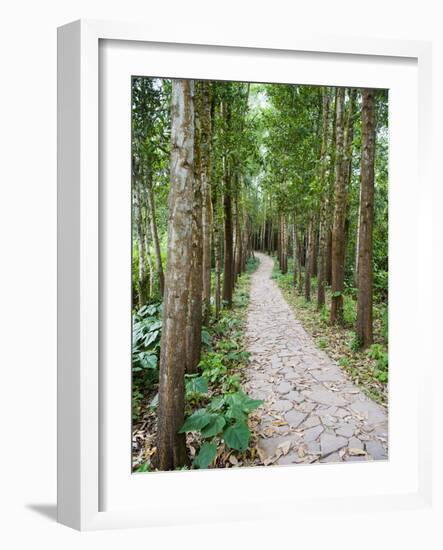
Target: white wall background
(28, 267)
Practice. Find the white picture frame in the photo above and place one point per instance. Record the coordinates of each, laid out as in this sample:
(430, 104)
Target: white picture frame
(82, 409)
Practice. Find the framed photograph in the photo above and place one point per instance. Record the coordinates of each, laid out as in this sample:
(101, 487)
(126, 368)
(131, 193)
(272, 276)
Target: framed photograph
(239, 259)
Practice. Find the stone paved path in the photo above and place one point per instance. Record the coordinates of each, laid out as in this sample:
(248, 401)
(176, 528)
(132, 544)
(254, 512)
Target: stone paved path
(312, 412)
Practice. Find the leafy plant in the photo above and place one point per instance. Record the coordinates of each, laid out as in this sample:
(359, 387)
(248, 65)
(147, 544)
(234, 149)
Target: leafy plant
(322, 343)
(212, 367)
(225, 418)
(378, 353)
(146, 334)
(355, 344)
(196, 387)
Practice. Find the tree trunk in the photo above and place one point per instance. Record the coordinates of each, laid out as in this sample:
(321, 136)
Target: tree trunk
(205, 160)
(309, 260)
(300, 262)
(148, 247)
(283, 245)
(171, 445)
(364, 295)
(227, 208)
(217, 253)
(154, 234)
(194, 320)
(142, 271)
(357, 241)
(323, 226)
(338, 227)
(294, 253)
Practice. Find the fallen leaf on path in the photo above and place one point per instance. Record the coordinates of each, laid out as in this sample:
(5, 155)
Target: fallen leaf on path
(356, 452)
(284, 447)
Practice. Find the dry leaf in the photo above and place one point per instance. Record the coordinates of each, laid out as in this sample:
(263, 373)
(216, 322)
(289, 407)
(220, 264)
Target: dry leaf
(233, 460)
(356, 452)
(284, 447)
(301, 451)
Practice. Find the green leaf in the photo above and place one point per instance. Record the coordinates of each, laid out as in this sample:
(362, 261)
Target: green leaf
(148, 360)
(154, 402)
(242, 401)
(206, 338)
(215, 426)
(237, 436)
(145, 467)
(235, 412)
(206, 455)
(196, 384)
(151, 337)
(196, 421)
(217, 403)
(250, 405)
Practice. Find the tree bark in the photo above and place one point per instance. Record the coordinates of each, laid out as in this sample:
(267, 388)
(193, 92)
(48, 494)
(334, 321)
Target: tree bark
(147, 226)
(142, 271)
(194, 319)
(338, 227)
(154, 234)
(294, 253)
(205, 161)
(217, 253)
(363, 327)
(227, 208)
(171, 446)
(309, 260)
(323, 226)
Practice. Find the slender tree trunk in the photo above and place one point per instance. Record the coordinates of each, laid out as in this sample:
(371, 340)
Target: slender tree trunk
(228, 244)
(300, 262)
(331, 183)
(171, 445)
(314, 265)
(338, 228)
(284, 245)
(194, 319)
(148, 250)
(294, 252)
(238, 238)
(323, 226)
(154, 234)
(206, 197)
(357, 240)
(309, 260)
(142, 271)
(217, 253)
(363, 327)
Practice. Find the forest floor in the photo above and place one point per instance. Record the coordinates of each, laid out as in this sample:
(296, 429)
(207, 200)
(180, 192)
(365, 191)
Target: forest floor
(312, 412)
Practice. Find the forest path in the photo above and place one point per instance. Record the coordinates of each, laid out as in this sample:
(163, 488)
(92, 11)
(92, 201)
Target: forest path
(312, 412)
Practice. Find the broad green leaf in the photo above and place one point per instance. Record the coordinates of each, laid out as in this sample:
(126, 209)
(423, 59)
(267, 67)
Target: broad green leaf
(235, 412)
(206, 338)
(206, 455)
(217, 403)
(237, 436)
(250, 405)
(196, 384)
(154, 402)
(148, 360)
(196, 421)
(215, 426)
(151, 337)
(145, 467)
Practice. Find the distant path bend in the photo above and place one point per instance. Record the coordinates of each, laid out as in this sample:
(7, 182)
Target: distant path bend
(312, 412)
